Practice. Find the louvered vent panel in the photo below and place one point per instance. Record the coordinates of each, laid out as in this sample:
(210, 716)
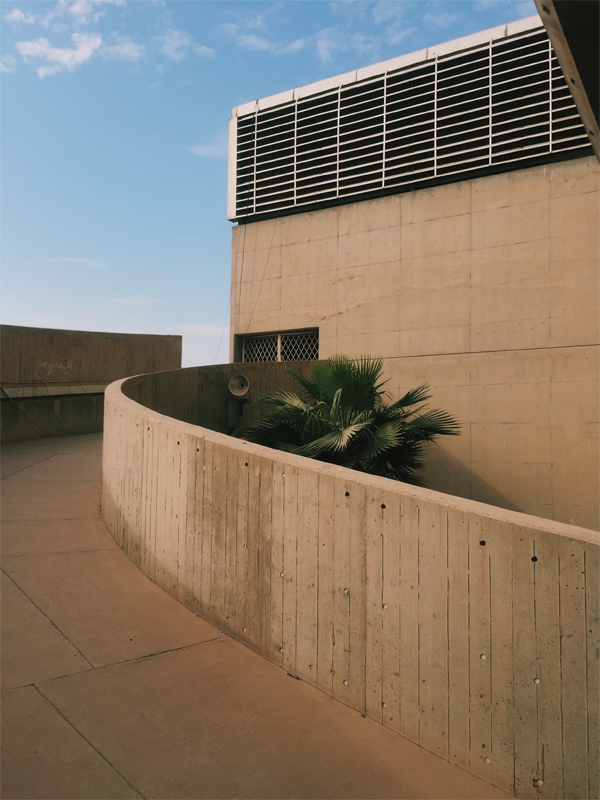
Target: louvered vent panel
(497, 106)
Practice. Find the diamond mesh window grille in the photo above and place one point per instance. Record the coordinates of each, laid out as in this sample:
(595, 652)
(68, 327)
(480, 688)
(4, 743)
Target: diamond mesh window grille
(260, 348)
(302, 346)
(297, 346)
(500, 105)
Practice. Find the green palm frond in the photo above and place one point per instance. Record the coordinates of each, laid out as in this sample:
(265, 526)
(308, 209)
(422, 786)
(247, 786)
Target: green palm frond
(412, 397)
(336, 441)
(341, 417)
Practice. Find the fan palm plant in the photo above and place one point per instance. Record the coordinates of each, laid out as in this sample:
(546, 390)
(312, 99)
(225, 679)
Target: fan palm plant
(340, 417)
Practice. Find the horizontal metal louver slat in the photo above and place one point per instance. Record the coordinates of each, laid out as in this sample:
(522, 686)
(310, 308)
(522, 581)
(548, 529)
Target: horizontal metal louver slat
(464, 113)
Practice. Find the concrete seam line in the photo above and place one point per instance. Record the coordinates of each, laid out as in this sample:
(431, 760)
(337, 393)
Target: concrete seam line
(492, 352)
(65, 552)
(53, 519)
(55, 480)
(118, 663)
(35, 463)
(221, 638)
(102, 756)
(54, 625)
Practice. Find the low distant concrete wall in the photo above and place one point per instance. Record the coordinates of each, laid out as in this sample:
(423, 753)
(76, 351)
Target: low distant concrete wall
(28, 418)
(53, 380)
(46, 355)
(468, 629)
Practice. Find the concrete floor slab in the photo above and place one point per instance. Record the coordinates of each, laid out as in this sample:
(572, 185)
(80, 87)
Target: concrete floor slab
(106, 607)
(207, 718)
(70, 468)
(227, 724)
(29, 499)
(33, 649)
(21, 537)
(16, 457)
(45, 757)
(88, 444)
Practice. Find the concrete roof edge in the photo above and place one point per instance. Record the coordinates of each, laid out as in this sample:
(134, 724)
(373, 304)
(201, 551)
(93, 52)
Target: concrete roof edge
(115, 394)
(445, 48)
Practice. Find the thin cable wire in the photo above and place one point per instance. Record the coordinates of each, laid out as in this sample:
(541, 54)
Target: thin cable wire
(38, 428)
(262, 280)
(222, 331)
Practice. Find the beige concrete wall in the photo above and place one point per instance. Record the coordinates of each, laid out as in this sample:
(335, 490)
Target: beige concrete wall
(200, 394)
(27, 418)
(468, 629)
(53, 380)
(486, 289)
(43, 355)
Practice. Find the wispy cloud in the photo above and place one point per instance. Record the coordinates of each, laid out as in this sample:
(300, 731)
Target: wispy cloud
(82, 12)
(215, 149)
(8, 64)
(254, 42)
(202, 328)
(68, 58)
(90, 263)
(17, 17)
(137, 301)
(330, 41)
(442, 19)
(178, 45)
(401, 35)
(516, 8)
(124, 50)
(389, 11)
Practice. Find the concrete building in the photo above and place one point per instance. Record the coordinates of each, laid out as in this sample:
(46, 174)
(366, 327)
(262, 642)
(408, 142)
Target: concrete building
(438, 210)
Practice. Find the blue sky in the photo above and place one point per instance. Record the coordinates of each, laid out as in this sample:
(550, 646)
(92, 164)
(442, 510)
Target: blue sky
(114, 142)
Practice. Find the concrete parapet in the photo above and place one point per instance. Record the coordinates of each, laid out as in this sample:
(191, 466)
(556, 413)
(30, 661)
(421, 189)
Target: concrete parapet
(468, 629)
(53, 380)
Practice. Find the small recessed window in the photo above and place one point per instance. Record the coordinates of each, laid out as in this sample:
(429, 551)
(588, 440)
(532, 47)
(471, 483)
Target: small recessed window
(295, 346)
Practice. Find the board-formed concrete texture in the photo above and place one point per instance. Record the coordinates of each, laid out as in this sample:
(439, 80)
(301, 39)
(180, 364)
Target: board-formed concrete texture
(487, 289)
(53, 380)
(112, 689)
(49, 356)
(467, 629)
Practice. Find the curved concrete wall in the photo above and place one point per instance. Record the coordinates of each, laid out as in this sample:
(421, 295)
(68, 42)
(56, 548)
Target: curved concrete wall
(468, 629)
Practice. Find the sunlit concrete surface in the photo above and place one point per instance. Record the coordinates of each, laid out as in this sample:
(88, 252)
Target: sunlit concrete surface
(112, 689)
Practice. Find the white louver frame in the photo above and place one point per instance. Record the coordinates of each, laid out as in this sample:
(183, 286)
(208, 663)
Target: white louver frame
(500, 103)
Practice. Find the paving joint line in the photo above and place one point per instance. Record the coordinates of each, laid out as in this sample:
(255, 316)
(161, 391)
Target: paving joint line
(113, 664)
(85, 738)
(53, 480)
(35, 463)
(54, 625)
(219, 638)
(52, 519)
(62, 552)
